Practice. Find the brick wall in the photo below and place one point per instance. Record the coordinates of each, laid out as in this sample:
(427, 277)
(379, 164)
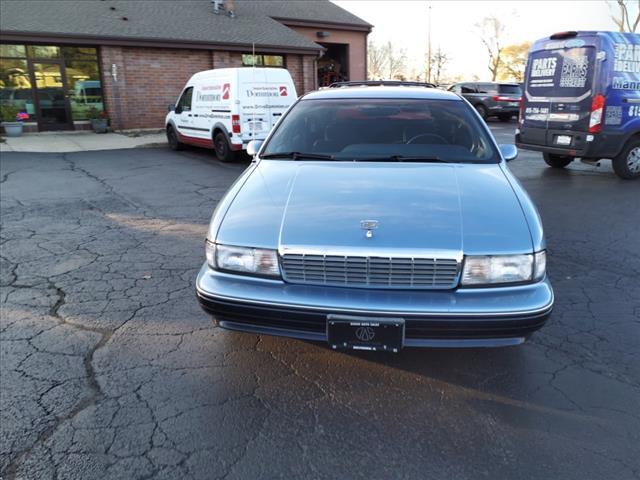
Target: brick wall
(303, 71)
(226, 59)
(148, 79)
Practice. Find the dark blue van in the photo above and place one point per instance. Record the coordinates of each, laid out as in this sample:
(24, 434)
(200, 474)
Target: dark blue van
(582, 99)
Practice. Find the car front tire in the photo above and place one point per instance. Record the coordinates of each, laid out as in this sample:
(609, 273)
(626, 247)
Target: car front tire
(172, 139)
(557, 161)
(627, 163)
(222, 148)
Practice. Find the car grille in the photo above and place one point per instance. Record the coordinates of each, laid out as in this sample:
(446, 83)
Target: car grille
(376, 272)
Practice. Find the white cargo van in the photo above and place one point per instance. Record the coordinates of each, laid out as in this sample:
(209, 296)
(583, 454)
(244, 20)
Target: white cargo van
(226, 108)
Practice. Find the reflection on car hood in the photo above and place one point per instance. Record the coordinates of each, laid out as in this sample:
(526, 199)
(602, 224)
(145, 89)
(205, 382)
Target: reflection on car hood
(465, 208)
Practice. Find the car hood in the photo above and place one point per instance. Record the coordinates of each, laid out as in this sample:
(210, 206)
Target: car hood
(456, 208)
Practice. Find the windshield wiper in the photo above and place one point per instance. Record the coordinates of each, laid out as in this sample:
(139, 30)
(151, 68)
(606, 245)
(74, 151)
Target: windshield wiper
(299, 156)
(403, 158)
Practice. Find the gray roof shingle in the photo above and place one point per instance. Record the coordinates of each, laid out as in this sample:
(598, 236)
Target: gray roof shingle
(180, 20)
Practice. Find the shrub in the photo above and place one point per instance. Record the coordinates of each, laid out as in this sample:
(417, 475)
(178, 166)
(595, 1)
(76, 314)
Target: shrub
(8, 113)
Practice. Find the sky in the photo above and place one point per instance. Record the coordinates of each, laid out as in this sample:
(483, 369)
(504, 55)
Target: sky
(405, 24)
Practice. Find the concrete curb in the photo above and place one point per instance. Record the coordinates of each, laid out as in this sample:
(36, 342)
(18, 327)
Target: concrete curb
(69, 142)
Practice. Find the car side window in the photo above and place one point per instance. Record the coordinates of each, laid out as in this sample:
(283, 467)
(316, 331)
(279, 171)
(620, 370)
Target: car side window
(184, 104)
(455, 89)
(468, 88)
(487, 88)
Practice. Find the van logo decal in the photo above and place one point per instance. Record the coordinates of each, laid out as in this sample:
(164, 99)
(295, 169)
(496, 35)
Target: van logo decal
(225, 91)
(283, 91)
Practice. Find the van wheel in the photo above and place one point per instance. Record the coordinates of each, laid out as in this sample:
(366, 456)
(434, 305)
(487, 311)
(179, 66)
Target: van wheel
(505, 117)
(627, 164)
(482, 110)
(222, 148)
(557, 161)
(172, 139)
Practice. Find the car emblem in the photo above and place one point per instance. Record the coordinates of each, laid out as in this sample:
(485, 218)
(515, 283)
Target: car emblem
(369, 226)
(365, 334)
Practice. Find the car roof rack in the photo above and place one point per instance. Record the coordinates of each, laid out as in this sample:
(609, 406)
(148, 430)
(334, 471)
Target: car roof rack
(381, 83)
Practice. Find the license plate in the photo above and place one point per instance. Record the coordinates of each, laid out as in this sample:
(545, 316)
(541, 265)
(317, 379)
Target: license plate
(563, 140)
(346, 332)
(255, 126)
(514, 104)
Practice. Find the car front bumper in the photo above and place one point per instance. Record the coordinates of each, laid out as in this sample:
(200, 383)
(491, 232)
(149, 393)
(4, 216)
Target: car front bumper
(478, 317)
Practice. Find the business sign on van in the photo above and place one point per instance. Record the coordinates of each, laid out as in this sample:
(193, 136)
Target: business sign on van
(561, 73)
(267, 91)
(626, 58)
(208, 94)
(626, 66)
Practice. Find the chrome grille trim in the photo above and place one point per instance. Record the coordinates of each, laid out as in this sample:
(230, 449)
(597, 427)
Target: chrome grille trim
(370, 271)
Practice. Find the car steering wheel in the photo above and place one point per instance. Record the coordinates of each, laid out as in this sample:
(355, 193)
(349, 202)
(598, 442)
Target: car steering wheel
(442, 140)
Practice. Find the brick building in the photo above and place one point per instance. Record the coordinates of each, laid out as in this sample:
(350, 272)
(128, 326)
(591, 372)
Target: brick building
(63, 60)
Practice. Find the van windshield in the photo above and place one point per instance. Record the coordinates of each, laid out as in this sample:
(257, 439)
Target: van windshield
(381, 130)
(561, 73)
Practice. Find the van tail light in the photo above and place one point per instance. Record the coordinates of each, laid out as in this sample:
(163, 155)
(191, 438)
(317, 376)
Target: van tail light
(597, 108)
(235, 123)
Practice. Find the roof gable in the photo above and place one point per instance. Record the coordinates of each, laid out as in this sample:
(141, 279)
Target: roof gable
(158, 20)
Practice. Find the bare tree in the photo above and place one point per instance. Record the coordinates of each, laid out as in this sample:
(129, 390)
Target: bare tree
(623, 20)
(376, 61)
(385, 61)
(438, 61)
(396, 61)
(490, 30)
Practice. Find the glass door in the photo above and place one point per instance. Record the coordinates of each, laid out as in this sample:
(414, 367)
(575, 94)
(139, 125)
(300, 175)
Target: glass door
(51, 96)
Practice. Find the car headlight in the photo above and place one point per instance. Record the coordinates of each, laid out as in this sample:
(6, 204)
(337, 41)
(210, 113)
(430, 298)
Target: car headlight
(497, 269)
(256, 261)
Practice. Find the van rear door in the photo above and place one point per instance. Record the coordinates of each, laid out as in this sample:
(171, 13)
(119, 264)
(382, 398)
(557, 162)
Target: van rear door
(254, 103)
(285, 91)
(558, 94)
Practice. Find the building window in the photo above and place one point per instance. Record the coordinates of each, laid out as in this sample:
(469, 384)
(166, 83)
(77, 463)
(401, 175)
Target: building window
(83, 81)
(54, 85)
(15, 82)
(39, 51)
(260, 60)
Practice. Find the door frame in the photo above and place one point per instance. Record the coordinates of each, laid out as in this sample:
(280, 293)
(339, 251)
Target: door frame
(44, 127)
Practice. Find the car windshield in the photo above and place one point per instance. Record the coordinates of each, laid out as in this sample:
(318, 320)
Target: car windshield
(382, 130)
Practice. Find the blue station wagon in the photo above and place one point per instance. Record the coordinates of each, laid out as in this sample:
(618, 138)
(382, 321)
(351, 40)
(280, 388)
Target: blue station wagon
(376, 218)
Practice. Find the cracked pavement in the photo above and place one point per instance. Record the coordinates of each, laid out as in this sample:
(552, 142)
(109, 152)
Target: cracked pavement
(109, 369)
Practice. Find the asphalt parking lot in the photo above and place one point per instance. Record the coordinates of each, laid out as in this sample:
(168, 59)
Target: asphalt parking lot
(109, 369)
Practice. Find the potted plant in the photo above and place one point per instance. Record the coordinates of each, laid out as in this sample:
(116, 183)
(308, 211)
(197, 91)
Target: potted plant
(99, 120)
(12, 120)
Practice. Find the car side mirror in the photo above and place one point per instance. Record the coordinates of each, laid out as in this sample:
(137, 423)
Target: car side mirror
(253, 147)
(171, 108)
(509, 152)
